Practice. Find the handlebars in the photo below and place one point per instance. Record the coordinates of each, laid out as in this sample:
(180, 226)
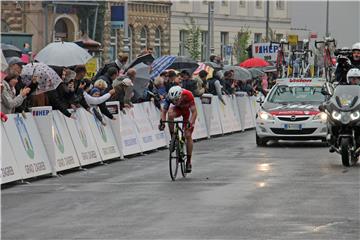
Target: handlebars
(326, 42)
(280, 43)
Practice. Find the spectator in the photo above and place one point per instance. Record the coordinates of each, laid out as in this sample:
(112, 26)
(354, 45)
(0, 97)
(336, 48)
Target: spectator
(109, 77)
(171, 80)
(3, 116)
(160, 88)
(101, 84)
(26, 49)
(229, 84)
(215, 87)
(124, 88)
(187, 82)
(9, 99)
(200, 83)
(119, 64)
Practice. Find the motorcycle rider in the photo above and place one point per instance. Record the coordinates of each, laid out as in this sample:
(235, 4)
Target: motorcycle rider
(344, 64)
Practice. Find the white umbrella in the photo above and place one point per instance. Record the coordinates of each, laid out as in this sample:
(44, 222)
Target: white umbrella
(47, 78)
(63, 54)
(4, 63)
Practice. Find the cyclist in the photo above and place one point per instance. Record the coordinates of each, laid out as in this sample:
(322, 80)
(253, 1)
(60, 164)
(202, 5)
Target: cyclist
(344, 64)
(183, 103)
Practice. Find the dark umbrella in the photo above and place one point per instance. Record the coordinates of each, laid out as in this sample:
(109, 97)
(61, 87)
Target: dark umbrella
(146, 59)
(184, 63)
(268, 69)
(215, 66)
(142, 78)
(255, 72)
(240, 73)
(10, 50)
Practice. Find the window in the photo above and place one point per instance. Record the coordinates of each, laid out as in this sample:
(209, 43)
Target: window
(143, 39)
(280, 5)
(183, 38)
(113, 44)
(242, 4)
(257, 37)
(258, 4)
(204, 45)
(224, 42)
(279, 36)
(224, 2)
(205, 2)
(157, 44)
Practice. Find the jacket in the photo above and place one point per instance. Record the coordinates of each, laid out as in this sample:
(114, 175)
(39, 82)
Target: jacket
(9, 101)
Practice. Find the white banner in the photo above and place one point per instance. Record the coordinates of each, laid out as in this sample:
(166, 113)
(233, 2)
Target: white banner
(153, 114)
(265, 51)
(10, 170)
(56, 138)
(124, 130)
(104, 137)
(225, 115)
(82, 138)
(200, 129)
(27, 145)
(244, 106)
(212, 117)
(235, 112)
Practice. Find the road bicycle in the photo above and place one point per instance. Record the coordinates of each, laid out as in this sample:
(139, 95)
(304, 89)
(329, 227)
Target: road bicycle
(304, 66)
(280, 58)
(328, 64)
(177, 156)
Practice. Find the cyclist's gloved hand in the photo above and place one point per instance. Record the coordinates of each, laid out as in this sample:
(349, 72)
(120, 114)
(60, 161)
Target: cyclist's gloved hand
(161, 126)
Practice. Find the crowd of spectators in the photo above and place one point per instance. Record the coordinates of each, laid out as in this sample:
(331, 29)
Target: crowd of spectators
(112, 83)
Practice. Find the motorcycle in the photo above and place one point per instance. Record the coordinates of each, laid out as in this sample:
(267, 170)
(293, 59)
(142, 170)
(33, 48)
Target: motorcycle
(343, 120)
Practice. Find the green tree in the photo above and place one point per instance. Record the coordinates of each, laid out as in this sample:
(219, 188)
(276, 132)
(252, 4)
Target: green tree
(241, 42)
(192, 43)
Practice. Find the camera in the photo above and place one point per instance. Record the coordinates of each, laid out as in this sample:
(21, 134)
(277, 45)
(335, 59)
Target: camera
(343, 52)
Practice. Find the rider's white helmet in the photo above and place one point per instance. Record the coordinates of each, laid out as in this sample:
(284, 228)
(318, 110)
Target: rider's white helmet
(356, 46)
(352, 73)
(175, 92)
(305, 40)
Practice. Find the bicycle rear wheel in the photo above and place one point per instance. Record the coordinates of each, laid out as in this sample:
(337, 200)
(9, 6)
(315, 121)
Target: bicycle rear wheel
(173, 157)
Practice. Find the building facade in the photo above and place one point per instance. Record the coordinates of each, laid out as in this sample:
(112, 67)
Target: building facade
(48, 21)
(229, 18)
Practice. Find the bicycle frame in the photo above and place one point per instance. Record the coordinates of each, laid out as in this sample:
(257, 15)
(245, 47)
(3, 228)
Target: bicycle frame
(280, 58)
(327, 57)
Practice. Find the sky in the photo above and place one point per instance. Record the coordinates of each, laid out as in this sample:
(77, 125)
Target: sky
(344, 19)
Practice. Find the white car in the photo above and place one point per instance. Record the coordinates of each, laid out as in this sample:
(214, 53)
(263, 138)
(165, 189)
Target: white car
(290, 112)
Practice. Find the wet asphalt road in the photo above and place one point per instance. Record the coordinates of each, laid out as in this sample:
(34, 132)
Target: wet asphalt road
(288, 190)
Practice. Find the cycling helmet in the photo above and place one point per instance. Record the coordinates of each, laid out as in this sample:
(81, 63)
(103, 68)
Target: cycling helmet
(356, 46)
(305, 40)
(353, 74)
(175, 92)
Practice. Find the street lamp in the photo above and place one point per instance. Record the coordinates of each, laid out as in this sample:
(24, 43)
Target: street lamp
(210, 42)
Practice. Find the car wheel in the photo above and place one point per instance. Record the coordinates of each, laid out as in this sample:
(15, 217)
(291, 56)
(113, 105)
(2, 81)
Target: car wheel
(260, 142)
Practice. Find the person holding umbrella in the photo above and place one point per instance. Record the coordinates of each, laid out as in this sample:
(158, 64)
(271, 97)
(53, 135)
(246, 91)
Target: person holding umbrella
(124, 88)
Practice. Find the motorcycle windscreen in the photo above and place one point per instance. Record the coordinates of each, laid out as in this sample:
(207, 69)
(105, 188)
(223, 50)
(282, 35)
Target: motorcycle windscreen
(346, 96)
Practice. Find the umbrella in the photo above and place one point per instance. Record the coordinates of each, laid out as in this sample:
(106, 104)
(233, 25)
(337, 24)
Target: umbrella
(142, 78)
(160, 65)
(63, 54)
(240, 73)
(214, 65)
(255, 72)
(268, 69)
(10, 50)
(208, 69)
(25, 58)
(147, 59)
(47, 78)
(184, 63)
(254, 62)
(4, 63)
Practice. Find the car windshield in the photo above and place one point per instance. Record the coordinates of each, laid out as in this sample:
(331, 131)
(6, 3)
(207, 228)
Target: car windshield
(286, 94)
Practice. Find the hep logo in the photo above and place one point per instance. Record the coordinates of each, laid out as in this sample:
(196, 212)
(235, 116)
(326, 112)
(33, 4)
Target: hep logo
(41, 113)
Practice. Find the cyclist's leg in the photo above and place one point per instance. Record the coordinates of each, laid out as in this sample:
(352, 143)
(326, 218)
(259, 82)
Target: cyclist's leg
(173, 113)
(189, 140)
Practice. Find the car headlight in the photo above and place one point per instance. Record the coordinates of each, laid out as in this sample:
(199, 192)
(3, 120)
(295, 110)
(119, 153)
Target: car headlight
(265, 116)
(321, 116)
(335, 115)
(355, 115)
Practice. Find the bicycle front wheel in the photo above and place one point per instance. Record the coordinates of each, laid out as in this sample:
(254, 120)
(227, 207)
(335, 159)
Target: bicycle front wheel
(173, 157)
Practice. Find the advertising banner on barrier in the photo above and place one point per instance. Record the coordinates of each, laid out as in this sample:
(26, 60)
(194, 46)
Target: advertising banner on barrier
(254, 107)
(27, 145)
(55, 135)
(225, 115)
(200, 129)
(154, 117)
(124, 130)
(10, 170)
(212, 117)
(83, 140)
(146, 132)
(244, 110)
(104, 137)
(235, 112)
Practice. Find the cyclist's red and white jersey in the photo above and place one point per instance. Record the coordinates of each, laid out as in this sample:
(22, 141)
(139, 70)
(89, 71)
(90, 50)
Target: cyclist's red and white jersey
(186, 100)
